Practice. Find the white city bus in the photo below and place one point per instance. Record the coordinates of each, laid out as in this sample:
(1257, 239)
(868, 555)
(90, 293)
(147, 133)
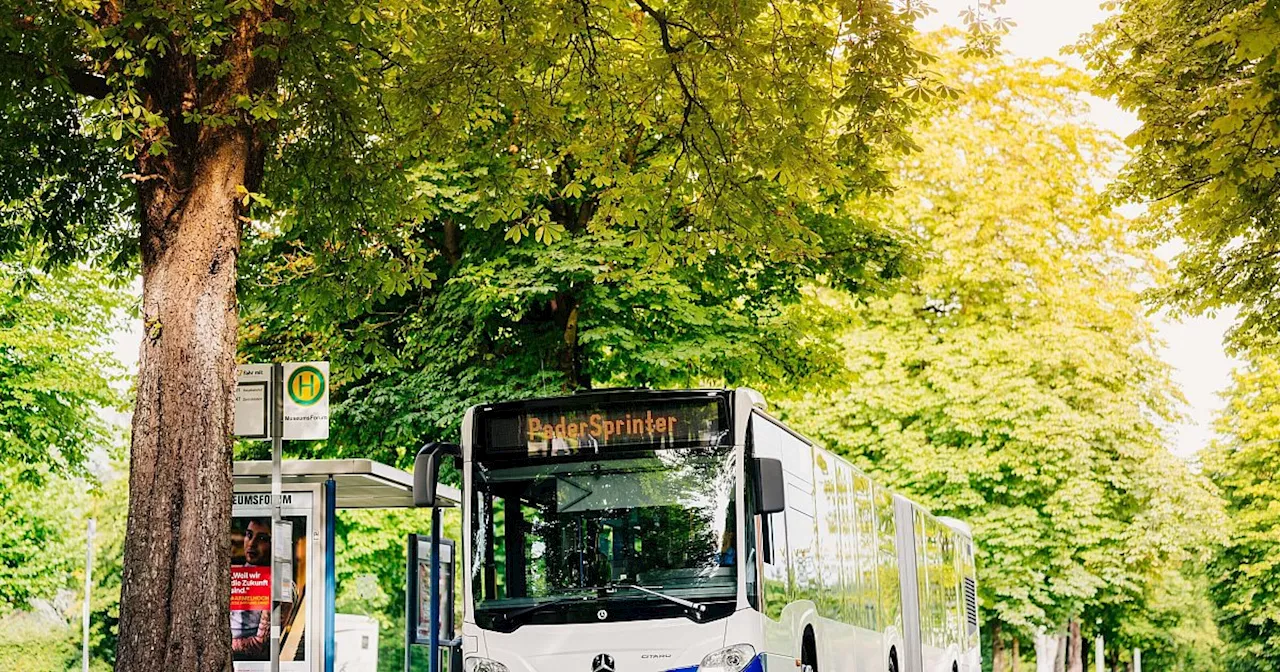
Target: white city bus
(683, 531)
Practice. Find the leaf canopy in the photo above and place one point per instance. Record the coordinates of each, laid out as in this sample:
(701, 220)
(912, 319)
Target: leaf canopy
(615, 193)
(1204, 79)
(1013, 382)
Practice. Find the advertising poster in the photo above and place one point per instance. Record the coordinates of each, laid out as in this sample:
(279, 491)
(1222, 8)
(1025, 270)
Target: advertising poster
(420, 547)
(251, 583)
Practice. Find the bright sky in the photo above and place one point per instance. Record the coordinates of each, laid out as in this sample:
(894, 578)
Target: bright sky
(1193, 346)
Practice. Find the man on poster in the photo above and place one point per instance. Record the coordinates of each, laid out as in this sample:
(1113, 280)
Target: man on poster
(251, 593)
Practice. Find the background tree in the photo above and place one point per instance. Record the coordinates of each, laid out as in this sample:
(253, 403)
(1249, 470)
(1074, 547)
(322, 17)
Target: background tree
(55, 377)
(38, 548)
(1013, 382)
(1204, 78)
(1243, 464)
(57, 387)
(1159, 599)
(1174, 623)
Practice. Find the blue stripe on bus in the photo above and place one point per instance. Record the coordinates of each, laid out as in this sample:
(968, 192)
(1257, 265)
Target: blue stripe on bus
(756, 665)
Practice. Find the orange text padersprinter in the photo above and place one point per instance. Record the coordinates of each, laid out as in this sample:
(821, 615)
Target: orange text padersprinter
(601, 427)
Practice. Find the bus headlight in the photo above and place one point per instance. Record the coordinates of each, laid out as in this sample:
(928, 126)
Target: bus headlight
(729, 659)
(483, 665)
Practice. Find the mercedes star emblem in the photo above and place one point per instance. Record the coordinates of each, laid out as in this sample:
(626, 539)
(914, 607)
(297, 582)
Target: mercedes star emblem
(603, 663)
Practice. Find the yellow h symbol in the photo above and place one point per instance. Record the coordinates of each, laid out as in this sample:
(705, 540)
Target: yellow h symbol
(306, 386)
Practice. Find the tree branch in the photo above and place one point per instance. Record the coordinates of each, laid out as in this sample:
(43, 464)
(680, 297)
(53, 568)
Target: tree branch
(79, 80)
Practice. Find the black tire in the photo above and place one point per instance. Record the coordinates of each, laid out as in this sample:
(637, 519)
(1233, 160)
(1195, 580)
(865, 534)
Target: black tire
(809, 651)
(893, 660)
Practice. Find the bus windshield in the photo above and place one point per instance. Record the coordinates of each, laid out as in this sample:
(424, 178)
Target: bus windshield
(571, 535)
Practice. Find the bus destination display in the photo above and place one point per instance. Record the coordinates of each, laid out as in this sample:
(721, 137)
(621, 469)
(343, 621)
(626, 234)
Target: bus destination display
(551, 432)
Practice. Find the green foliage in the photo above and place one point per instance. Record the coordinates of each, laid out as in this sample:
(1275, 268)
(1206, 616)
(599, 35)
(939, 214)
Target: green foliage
(1174, 623)
(623, 194)
(54, 374)
(41, 540)
(1013, 381)
(42, 550)
(39, 648)
(1204, 78)
(1243, 464)
(109, 506)
(63, 195)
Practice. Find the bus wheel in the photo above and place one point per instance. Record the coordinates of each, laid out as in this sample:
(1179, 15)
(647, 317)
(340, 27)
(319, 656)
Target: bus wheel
(893, 660)
(809, 652)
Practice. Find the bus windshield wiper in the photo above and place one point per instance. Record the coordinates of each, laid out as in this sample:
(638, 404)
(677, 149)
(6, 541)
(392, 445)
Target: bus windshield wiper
(699, 608)
(611, 588)
(510, 616)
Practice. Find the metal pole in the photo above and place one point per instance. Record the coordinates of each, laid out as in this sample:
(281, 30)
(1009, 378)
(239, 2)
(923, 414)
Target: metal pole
(1137, 659)
(277, 441)
(434, 642)
(1099, 653)
(330, 575)
(88, 587)
(410, 602)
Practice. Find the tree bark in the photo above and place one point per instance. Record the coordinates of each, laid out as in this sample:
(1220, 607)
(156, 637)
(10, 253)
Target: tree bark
(570, 357)
(176, 582)
(1075, 648)
(1017, 655)
(999, 661)
(175, 592)
(1060, 654)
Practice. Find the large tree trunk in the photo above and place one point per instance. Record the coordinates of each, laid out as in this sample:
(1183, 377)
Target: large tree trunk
(175, 592)
(1016, 656)
(1060, 654)
(1075, 648)
(176, 583)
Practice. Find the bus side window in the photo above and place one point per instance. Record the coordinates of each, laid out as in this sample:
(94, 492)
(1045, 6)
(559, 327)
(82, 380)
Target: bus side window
(938, 582)
(868, 601)
(798, 466)
(849, 569)
(887, 576)
(831, 556)
(922, 579)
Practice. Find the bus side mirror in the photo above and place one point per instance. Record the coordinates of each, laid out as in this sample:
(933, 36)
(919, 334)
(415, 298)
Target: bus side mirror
(771, 486)
(426, 471)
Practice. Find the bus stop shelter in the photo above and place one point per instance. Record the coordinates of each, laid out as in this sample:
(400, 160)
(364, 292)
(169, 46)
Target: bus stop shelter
(313, 491)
